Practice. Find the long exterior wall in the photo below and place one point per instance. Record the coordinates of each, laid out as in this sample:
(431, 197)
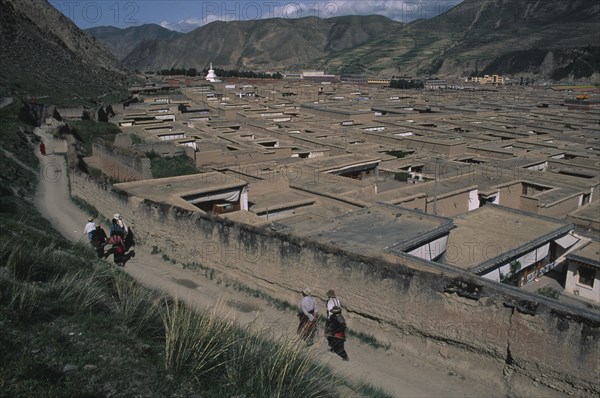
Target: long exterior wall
(451, 205)
(528, 334)
(490, 153)
(438, 147)
(122, 166)
(237, 157)
(584, 222)
(419, 203)
(530, 204)
(561, 208)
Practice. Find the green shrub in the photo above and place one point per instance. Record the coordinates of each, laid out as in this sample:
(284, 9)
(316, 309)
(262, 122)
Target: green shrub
(88, 130)
(94, 172)
(135, 139)
(172, 167)
(397, 153)
(401, 176)
(549, 292)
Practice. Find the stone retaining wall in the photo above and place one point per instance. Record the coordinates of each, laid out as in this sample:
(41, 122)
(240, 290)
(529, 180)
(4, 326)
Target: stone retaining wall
(533, 336)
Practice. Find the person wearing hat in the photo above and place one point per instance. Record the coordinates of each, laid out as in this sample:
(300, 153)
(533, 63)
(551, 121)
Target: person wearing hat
(118, 225)
(121, 223)
(89, 228)
(307, 316)
(332, 301)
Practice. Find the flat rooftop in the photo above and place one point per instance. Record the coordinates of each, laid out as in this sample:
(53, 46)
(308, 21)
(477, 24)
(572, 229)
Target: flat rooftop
(171, 190)
(590, 212)
(340, 162)
(588, 254)
(490, 234)
(372, 230)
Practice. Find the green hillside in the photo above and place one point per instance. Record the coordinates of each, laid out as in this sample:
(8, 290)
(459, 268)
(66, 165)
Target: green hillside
(73, 325)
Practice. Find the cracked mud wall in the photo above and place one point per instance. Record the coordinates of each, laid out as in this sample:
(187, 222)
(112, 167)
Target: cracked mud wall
(532, 336)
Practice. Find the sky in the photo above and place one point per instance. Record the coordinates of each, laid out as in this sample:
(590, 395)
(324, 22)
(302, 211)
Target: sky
(186, 15)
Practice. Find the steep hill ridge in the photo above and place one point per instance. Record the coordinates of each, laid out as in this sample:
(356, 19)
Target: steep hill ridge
(497, 36)
(260, 44)
(45, 54)
(121, 42)
(480, 34)
(491, 29)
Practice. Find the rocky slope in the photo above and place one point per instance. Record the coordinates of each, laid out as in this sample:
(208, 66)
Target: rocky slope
(45, 54)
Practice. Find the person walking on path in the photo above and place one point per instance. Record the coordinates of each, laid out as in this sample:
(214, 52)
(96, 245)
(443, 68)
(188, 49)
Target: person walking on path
(307, 328)
(117, 226)
(129, 239)
(42, 149)
(89, 228)
(117, 249)
(121, 224)
(332, 302)
(99, 240)
(336, 335)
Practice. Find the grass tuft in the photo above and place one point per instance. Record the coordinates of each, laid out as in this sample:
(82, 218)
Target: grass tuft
(136, 305)
(196, 343)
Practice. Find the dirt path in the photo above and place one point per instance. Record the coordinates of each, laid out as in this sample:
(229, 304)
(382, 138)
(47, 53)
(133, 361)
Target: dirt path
(398, 373)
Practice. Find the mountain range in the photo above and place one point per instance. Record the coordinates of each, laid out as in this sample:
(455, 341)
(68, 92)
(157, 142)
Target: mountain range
(275, 43)
(45, 54)
(550, 38)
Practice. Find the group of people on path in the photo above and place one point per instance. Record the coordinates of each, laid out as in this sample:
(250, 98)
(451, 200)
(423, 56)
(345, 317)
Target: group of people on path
(335, 324)
(119, 240)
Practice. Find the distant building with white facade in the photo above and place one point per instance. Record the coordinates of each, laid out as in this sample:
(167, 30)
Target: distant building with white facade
(318, 76)
(435, 84)
(495, 80)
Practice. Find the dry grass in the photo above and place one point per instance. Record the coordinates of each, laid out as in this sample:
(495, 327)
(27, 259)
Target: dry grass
(195, 342)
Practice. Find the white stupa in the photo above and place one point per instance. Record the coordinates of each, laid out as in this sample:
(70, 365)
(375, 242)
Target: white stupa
(211, 77)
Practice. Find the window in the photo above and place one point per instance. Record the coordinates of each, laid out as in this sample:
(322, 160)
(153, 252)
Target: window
(586, 276)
